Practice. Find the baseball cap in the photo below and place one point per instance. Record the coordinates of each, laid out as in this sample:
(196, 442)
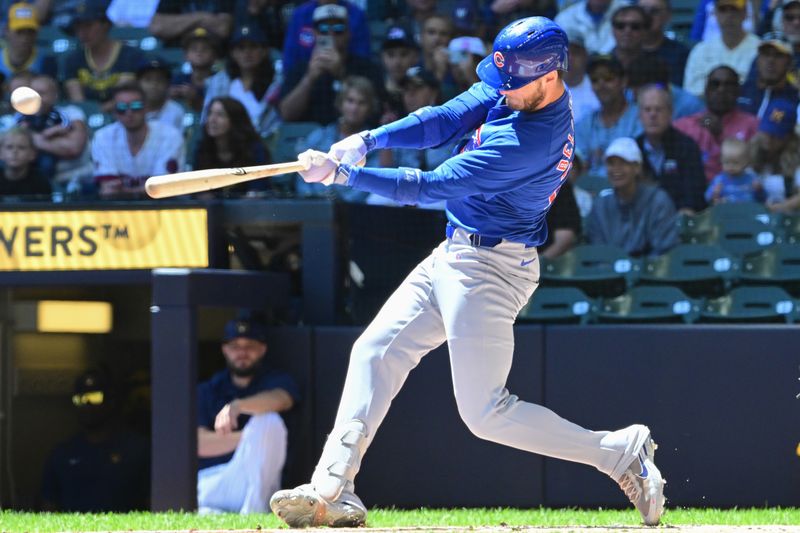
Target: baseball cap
(780, 118)
(738, 4)
(419, 76)
(93, 387)
(605, 60)
(624, 148)
(153, 63)
(777, 40)
(22, 16)
(244, 327)
(473, 45)
(329, 11)
(87, 10)
(200, 34)
(398, 37)
(246, 32)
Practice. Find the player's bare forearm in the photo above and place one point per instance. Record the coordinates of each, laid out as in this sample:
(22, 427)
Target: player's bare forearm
(213, 444)
(275, 400)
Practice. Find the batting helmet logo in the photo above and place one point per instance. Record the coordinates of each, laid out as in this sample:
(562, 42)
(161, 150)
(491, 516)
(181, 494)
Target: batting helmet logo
(524, 51)
(499, 60)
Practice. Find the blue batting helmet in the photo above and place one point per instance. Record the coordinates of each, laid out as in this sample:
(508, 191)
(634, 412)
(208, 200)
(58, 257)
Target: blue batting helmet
(524, 51)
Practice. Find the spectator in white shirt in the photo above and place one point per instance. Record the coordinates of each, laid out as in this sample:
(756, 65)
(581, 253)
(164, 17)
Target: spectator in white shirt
(154, 77)
(126, 152)
(592, 18)
(734, 47)
(584, 100)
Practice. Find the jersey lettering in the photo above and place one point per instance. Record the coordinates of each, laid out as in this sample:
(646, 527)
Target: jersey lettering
(563, 166)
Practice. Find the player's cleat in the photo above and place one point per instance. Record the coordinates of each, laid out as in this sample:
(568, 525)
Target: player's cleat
(303, 507)
(643, 485)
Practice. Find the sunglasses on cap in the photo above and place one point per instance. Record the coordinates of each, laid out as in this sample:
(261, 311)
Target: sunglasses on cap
(635, 26)
(88, 398)
(337, 28)
(122, 107)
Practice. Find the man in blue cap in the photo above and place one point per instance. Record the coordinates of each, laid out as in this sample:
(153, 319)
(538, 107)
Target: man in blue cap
(498, 186)
(241, 438)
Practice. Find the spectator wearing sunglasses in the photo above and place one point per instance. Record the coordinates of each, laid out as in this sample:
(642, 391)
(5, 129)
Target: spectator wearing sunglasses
(109, 462)
(734, 46)
(656, 43)
(720, 120)
(301, 37)
(628, 25)
(309, 90)
(128, 151)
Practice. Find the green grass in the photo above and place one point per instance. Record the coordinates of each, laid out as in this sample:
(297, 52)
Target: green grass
(51, 522)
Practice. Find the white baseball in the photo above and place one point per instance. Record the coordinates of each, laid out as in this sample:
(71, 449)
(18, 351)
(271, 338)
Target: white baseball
(26, 100)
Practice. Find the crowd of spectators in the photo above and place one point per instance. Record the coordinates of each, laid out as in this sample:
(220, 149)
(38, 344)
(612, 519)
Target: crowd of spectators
(712, 112)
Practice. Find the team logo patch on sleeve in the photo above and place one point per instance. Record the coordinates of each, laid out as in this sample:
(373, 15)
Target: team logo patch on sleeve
(499, 60)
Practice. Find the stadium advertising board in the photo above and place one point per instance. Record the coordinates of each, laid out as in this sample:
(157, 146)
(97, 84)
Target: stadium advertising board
(103, 239)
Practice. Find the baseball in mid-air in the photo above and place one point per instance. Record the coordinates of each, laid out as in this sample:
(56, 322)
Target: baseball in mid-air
(26, 100)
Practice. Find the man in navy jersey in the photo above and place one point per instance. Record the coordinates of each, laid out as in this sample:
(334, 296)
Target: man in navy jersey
(498, 186)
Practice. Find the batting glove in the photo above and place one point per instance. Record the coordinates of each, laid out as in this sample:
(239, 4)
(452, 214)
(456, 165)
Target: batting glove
(351, 150)
(321, 168)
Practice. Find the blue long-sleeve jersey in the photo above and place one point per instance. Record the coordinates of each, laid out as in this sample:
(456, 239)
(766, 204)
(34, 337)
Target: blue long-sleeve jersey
(500, 182)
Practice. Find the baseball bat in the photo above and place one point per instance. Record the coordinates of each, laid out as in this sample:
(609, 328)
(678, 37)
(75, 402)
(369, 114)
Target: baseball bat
(205, 180)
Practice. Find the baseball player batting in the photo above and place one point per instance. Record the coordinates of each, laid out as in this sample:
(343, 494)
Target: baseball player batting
(498, 186)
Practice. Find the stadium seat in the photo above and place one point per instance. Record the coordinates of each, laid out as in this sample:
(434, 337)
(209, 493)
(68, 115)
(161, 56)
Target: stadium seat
(557, 305)
(54, 40)
(740, 237)
(95, 117)
(593, 184)
(648, 304)
(132, 36)
(788, 227)
(599, 270)
(695, 228)
(777, 265)
(682, 16)
(750, 304)
(697, 269)
(283, 144)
